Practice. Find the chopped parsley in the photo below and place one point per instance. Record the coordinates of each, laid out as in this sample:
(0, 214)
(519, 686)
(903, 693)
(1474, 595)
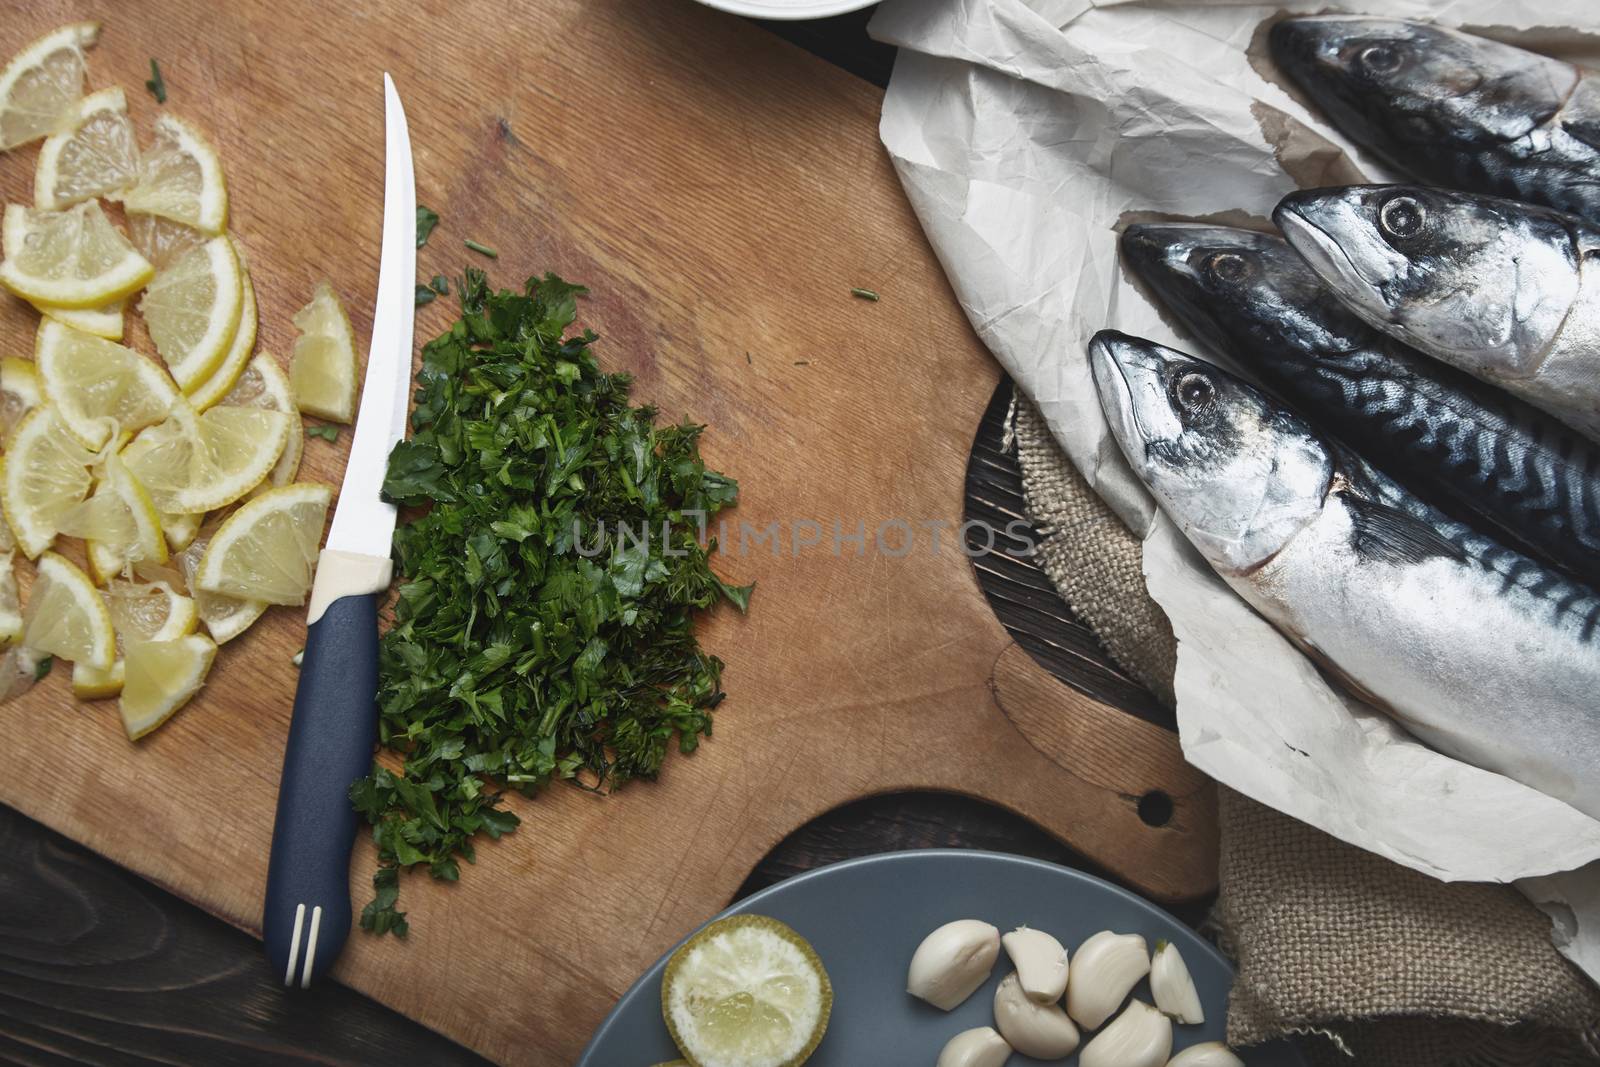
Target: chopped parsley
(533, 640)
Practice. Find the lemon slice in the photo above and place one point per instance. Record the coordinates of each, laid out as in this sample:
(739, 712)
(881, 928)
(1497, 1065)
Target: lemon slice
(263, 385)
(220, 381)
(322, 368)
(162, 241)
(96, 156)
(180, 178)
(65, 616)
(180, 530)
(267, 550)
(140, 611)
(226, 617)
(193, 310)
(197, 463)
(119, 522)
(101, 321)
(10, 604)
(73, 258)
(20, 391)
(746, 991)
(161, 676)
(40, 84)
(45, 473)
(97, 386)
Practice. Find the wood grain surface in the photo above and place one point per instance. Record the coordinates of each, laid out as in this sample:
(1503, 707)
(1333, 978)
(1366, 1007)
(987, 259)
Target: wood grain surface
(720, 192)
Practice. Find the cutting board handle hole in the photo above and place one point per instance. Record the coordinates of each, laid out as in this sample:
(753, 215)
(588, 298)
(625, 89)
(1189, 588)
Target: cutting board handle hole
(1155, 808)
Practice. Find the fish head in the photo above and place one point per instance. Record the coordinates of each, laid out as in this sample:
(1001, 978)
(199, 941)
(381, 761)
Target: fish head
(1238, 473)
(1245, 292)
(1482, 283)
(1415, 83)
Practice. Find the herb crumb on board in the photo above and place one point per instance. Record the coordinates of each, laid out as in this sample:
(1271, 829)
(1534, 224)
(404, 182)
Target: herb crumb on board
(537, 636)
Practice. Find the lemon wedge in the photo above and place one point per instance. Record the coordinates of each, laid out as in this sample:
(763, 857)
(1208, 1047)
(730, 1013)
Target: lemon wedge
(161, 676)
(267, 550)
(45, 473)
(40, 85)
(98, 387)
(746, 991)
(194, 463)
(263, 385)
(96, 156)
(73, 258)
(322, 367)
(180, 178)
(193, 310)
(140, 611)
(226, 617)
(119, 522)
(10, 605)
(20, 391)
(162, 241)
(104, 321)
(220, 381)
(65, 616)
(180, 530)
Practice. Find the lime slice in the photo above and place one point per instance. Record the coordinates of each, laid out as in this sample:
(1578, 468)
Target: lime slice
(746, 991)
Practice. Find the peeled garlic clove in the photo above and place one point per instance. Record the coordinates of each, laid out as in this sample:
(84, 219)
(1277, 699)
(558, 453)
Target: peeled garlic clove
(1173, 988)
(1210, 1054)
(1040, 961)
(1042, 1031)
(952, 962)
(1139, 1037)
(979, 1047)
(1104, 971)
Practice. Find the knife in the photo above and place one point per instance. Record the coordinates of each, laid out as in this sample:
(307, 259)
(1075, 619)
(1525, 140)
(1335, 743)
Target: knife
(306, 917)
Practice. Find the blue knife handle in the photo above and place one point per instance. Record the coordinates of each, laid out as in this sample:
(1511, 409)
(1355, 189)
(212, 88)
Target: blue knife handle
(331, 738)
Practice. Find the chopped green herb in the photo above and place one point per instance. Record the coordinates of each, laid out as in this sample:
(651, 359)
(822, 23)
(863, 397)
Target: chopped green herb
(482, 250)
(544, 625)
(865, 294)
(440, 284)
(326, 432)
(42, 668)
(424, 295)
(427, 219)
(157, 84)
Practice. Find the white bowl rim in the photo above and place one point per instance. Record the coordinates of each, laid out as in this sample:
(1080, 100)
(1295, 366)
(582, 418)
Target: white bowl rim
(768, 9)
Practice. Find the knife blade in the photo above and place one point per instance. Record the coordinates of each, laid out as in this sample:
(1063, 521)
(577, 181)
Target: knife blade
(306, 913)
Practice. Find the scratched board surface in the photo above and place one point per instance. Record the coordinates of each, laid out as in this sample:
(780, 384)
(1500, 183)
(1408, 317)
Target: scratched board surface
(720, 192)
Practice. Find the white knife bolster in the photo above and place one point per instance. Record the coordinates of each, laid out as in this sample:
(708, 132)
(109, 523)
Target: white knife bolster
(341, 574)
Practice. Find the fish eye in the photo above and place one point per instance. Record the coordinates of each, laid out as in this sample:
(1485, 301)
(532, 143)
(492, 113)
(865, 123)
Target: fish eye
(1402, 217)
(1381, 59)
(1193, 391)
(1227, 267)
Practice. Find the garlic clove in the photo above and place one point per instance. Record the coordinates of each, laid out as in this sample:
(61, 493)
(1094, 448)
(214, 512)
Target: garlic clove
(1209, 1054)
(1040, 961)
(1139, 1037)
(1104, 971)
(1042, 1031)
(978, 1047)
(952, 962)
(1172, 986)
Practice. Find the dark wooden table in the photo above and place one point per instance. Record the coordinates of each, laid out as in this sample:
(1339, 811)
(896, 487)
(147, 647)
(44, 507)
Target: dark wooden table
(100, 966)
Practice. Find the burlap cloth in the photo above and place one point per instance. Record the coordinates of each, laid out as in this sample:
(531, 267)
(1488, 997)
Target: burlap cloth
(1375, 963)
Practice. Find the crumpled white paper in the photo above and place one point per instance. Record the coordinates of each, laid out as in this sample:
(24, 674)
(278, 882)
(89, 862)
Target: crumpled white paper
(1023, 130)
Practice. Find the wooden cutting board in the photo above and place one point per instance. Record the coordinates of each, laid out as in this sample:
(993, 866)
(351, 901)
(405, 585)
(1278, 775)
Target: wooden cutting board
(720, 192)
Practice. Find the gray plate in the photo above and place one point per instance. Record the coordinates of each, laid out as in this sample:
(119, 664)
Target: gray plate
(866, 917)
